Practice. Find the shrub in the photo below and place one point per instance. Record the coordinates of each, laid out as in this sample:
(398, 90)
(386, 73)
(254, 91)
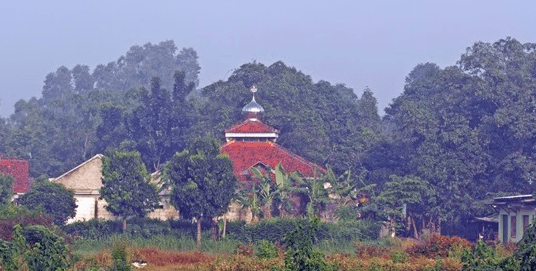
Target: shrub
(13, 215)
(143, 227)
(121, 261)
(35, 247)
(300, 254)
(244, 249)
(274, 229)
(47, 251)
(484, 257)
(366, 251)
(438, 246)
(267, 250)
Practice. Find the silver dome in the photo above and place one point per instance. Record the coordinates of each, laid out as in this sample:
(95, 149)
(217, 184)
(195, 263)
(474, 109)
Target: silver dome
(253, 107)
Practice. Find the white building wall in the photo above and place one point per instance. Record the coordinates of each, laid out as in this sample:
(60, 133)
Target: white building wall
(519, 223)
(85, 210)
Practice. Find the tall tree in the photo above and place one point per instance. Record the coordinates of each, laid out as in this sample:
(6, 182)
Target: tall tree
(202, 181)
(126, 186)
(141, 63)
(318, 121)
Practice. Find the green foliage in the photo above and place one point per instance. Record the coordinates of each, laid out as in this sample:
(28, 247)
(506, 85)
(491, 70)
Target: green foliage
(319, 121)
(274, 229)
(484, 257)
(35, 247)
(202, 180)
(299, 254)
(267, 250)
(53, 198)
(6, 189)
(526, 248)
(469, 129)
(13, 252)
(48, 251)
(126, 187)
(406, 197)
(12, 215)
(120, 255)
(95, 229)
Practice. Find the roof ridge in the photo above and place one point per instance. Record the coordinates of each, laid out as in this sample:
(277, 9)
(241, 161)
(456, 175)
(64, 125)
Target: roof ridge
(248, 121)
(291, 153)
(98, 155)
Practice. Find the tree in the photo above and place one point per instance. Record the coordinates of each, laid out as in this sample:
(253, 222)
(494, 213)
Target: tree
(318, 121)
(53, 198)
(406, 198)
(6, 189)
(141, 63)
(202, 181)
(126, 186)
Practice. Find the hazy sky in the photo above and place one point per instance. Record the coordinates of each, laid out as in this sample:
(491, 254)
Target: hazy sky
(357, 43)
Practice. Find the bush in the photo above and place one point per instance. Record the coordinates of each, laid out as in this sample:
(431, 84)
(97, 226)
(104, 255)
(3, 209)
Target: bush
(12, 215)
(300, 254)
(484, 257)
(137, 227)
(47, 250)
(274, 229)
(121, 261)
(438, 246)
(267, 250)
(35, 247)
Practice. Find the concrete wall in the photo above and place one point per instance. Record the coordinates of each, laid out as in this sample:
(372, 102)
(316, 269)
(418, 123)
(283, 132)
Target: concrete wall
(166, 212)
(530, 211)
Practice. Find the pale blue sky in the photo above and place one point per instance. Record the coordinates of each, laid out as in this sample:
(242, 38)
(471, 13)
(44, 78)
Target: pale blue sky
(357, 43)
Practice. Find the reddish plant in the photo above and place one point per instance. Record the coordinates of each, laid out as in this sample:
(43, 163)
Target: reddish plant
(438, 246)
(163, 258)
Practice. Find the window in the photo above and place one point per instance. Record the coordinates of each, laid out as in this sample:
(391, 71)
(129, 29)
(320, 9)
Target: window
(525, 222)
(513, 226)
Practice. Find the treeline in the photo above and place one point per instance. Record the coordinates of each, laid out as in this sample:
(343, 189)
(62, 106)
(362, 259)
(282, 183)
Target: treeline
(458, 135)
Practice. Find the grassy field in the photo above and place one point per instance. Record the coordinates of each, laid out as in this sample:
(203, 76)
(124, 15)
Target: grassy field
(167, 253)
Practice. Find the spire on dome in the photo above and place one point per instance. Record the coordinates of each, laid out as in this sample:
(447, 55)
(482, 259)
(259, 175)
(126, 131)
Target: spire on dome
(253, 110)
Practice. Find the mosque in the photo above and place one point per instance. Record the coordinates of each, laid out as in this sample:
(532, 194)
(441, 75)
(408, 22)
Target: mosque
(252, 143)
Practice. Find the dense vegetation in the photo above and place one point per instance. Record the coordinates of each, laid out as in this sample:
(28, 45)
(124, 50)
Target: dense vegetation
(456, 135)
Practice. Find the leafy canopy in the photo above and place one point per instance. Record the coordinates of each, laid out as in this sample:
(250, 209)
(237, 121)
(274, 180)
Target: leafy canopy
(53, 198)
(201, 179)
(126, 186)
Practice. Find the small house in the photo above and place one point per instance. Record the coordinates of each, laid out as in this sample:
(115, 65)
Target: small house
(515, 215)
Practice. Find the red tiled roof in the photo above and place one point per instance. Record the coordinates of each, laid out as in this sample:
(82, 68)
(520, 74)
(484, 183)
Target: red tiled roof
(246, 154)
(19, 170)
(251, 126)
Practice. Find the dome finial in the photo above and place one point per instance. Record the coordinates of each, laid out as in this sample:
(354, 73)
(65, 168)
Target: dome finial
(253, 110)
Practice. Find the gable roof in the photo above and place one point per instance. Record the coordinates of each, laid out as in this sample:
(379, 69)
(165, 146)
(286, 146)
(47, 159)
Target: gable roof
(19, 169)
(246, 154)
(84, 177)
(251, 126)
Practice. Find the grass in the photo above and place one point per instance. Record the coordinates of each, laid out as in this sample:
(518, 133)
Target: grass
(163, 242)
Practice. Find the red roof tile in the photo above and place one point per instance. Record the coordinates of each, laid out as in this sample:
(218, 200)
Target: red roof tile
(246, 154)
(251, 126)
(19, 170)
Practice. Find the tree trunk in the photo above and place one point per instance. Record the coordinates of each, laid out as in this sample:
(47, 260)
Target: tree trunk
(224, 226)
(124, 223)
(415, 233)
(439, 225)
(198, 235)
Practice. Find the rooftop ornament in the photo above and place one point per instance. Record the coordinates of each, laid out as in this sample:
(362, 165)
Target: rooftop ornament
(253, 110)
